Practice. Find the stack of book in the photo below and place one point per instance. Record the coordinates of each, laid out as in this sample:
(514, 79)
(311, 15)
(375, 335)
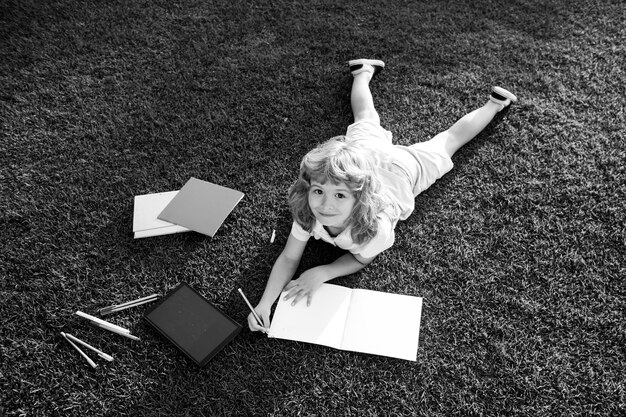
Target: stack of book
(200, 206)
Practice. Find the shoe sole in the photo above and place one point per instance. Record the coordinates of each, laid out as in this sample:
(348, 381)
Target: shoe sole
(372, 62)
(503, 93)
(357, 64)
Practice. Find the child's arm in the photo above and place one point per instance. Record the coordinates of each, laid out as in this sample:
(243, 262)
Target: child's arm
(282, 272)
(313, 278)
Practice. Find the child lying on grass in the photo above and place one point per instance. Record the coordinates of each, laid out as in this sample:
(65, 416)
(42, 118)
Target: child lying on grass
(353, 189)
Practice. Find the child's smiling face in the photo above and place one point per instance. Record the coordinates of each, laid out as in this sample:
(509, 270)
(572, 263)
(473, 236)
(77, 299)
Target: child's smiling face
(331, 204)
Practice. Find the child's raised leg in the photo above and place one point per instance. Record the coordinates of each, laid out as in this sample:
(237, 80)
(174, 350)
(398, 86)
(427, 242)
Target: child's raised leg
(363, 70)
(470, 125)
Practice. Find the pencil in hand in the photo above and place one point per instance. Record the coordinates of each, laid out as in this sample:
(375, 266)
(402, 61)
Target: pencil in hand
(256, 316)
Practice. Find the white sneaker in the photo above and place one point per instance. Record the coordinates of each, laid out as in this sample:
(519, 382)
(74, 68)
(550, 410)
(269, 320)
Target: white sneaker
(358, 66)
(502, 97)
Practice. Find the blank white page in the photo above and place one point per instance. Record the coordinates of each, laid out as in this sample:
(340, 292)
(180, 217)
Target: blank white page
(385, 324)
(321, 323)
(146, 209)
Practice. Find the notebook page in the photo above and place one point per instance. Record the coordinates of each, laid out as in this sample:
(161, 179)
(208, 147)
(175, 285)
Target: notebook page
(322, 322)
(383, 324)
(146, 209)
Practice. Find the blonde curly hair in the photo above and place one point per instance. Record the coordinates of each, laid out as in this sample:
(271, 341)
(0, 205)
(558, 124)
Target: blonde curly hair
(350, 163)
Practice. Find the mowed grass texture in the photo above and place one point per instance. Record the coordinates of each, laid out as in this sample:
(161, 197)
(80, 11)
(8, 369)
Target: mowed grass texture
(518, 252)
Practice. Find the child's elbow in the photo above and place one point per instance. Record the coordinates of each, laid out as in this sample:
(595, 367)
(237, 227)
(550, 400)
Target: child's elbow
(363, 261)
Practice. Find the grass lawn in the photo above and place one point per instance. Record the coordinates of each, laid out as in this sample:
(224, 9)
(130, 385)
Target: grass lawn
(518, 251)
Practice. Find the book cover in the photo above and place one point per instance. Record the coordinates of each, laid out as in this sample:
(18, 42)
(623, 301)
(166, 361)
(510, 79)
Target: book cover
(201, 206)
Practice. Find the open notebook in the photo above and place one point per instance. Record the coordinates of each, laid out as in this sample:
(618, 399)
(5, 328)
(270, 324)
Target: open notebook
(357, 320)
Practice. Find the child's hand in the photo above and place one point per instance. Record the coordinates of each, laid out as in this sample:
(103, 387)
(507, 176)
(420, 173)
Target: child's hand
(264, 314)
(305, 286)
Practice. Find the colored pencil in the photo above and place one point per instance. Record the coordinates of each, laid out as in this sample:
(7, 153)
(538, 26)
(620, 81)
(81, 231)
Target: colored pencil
(102, 322)
(134, 303)
(256, 316)
(83, 354)
(88, 346)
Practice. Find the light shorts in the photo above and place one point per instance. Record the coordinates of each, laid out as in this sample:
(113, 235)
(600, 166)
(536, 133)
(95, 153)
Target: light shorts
(423, 162)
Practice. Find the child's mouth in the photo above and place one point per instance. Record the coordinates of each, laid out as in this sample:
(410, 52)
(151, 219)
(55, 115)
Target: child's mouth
(325, 215)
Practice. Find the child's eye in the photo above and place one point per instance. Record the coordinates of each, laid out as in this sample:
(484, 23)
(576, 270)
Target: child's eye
(317, 191)
(341, 195)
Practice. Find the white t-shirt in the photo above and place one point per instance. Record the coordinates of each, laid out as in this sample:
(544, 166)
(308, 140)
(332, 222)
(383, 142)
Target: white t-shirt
(383, 240)
(413, 169)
